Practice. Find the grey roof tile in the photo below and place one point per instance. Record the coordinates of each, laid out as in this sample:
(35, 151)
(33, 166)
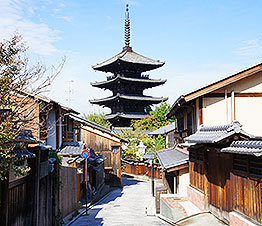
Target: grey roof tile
(21, 154)
(146, 81)
(128, 97)
(128, 56)
(71, 148)
(214, 134)
(245, 148)
(169, 158)
(164, 129)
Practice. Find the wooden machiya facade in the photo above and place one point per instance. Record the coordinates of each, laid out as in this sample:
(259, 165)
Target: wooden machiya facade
(225, 174)
(127, 83)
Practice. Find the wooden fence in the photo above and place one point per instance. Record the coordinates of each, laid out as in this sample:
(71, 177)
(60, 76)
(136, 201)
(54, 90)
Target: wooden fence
(68, 192)
(141, 169)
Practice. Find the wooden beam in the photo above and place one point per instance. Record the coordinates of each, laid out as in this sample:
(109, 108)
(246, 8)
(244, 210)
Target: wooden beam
(183, 166)
(200, 111)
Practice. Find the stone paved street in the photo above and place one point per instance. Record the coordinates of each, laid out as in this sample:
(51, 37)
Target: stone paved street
(127, 206)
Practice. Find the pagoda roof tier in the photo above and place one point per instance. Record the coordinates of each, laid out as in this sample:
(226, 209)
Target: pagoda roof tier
(147, 83)
(125, 115)
(128, 59)
(140, 98)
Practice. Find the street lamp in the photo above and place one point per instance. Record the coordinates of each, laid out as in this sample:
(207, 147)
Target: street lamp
(141, 150)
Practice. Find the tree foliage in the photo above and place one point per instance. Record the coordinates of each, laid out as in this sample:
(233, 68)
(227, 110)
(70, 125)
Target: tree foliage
(19, 84)
(98, 118)
(155, 120)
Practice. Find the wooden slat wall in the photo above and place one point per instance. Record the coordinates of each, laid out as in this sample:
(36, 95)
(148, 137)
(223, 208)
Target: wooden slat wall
(68, 193)
(197, 175)
(247, 196)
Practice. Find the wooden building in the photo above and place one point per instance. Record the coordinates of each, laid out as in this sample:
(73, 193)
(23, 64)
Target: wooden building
(236, 97)
(103, 141)
(175, 176)
(127, 83)
(225, 173)
(27, 199)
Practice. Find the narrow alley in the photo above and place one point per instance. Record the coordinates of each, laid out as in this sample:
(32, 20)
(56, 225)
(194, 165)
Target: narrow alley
(130, 205)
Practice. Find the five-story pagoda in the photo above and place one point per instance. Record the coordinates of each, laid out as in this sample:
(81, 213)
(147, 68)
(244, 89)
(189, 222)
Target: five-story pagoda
(127, 83)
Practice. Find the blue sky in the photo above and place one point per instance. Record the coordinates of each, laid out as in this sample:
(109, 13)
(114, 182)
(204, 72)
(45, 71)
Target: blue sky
(200, 41)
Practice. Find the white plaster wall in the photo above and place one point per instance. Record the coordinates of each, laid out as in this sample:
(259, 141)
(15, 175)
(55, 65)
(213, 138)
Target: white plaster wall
(183, 182)
(51, 129)
(214, 111)
(248, 112)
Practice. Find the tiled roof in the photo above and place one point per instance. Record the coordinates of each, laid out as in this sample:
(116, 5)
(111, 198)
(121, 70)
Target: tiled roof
(146, 81)
(245, 148)
(22, 154)
(125, 115)
(26, 136)
(173, 157)
(164, 129)
(128, 97)
(128, 56)
(95, 125)
(72, 148)
(214, 134)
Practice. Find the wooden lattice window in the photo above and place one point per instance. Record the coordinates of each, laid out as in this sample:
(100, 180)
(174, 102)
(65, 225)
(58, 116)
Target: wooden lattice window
(196, 155)
(255, 166)
(249, 165)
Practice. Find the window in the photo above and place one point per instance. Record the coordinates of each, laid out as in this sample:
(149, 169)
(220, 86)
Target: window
(180, 124)
(196, 155)
(189, 123)
(249, 165)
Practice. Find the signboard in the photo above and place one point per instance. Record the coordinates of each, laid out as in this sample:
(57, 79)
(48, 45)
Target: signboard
(85, 154)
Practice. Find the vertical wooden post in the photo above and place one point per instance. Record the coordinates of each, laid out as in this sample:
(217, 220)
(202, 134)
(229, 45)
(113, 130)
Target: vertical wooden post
(152, 178)
(4, 201)
(36, 189)
(200, 110)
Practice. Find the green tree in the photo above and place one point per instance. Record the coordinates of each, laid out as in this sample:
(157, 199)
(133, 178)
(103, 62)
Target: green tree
(98, 119)
(18, 81)
(155, 120)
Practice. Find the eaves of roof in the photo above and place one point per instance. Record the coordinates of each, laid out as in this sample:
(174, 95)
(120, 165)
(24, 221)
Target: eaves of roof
(214, 86)
(128, 97)
(95, 126)
(135, 80)
(128, 56)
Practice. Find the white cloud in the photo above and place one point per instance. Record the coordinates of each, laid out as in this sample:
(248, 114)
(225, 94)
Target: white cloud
(69, 19)
(38, 36)
(250, 48)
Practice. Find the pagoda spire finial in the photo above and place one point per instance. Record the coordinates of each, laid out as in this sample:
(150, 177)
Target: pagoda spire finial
(127, 30)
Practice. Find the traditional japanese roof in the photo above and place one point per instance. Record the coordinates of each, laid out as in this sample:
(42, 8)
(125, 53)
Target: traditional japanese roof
(146, 82)
(213, 87)
(244, 148)
(126, 115)
(164, 129)
(128, 97)
(95, 126)
(71, 148)
(173, 157)
(26, 136)
(215, 134)
(125, 58)
(21, 154)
